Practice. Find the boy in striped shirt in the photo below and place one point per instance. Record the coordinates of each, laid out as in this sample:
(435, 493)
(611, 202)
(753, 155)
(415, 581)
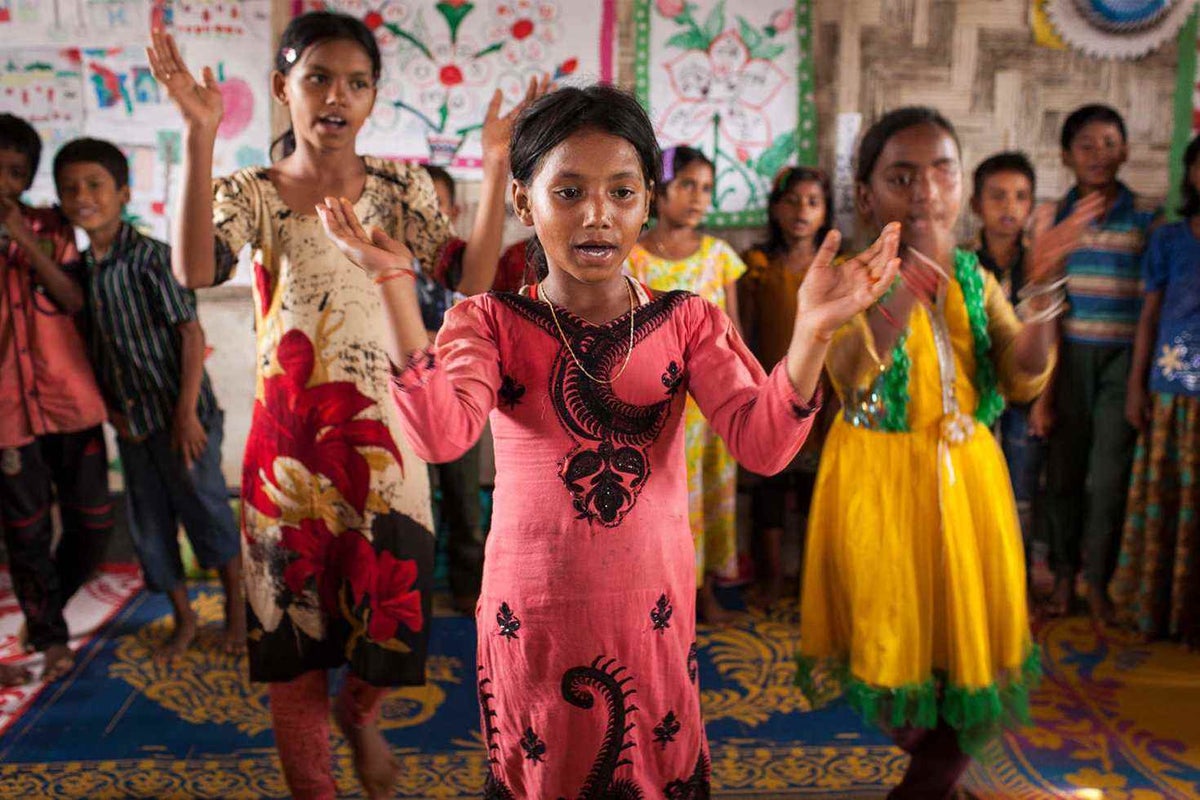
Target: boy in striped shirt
(147, 348)
(1099, 230)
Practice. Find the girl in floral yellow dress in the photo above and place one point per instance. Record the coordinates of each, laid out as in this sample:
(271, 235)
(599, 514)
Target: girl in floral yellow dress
(336, 509)
(676, 255)
(913, 598)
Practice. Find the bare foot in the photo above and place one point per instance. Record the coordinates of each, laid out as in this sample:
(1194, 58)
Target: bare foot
(1101, 608)
(376, 767)
(181, 638)
(1059, 604)
(59, 661)
(233, 641)
(710, 611)
(14, 675)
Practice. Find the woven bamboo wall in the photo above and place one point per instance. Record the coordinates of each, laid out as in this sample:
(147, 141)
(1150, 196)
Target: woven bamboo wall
(976, 61)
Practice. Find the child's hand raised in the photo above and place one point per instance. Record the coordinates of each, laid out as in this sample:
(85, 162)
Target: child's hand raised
(1052, 244)
(199, 102)
(830, 295)
(373, 251)
(497, 129)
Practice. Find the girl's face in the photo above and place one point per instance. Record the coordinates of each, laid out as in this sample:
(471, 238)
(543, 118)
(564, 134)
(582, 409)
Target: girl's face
(1096, 154)
(329, 93)
(917, 181)
(801, 212)
(587, 202)
(687, 198)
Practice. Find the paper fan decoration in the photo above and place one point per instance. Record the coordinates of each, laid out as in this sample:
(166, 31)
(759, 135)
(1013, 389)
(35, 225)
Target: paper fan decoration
(1118, 28)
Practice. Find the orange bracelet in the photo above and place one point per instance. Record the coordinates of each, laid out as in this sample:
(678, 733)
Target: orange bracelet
(393, 274)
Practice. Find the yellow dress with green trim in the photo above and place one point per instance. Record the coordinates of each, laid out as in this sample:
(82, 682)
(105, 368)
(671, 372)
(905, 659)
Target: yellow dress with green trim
(913, 599)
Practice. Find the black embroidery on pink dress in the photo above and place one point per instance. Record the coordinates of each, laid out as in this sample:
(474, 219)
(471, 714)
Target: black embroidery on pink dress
(672, 377)
(493, 787)
(606, 683)
(534, 747)
(694, 787)
(693, 663)
(660, 615)
(510, 392)
(508, 622)
(607, 468)
(666, 730)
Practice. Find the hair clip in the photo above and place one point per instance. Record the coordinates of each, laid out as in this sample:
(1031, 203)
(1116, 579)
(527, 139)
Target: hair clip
(289, 55)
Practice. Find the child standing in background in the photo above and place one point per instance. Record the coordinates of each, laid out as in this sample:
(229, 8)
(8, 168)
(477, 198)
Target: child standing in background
(458, 480)
(799, 215)
(1002, 198)
(674, 254)
(147, 348)
(51, 442)
(1090, 448)
(336, 510)
(1157, 583)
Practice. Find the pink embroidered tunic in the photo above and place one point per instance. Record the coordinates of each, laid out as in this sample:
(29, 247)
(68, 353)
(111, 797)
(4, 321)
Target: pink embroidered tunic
(587, 654)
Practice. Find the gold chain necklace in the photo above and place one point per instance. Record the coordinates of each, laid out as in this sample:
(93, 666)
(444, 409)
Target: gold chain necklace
(567, 343)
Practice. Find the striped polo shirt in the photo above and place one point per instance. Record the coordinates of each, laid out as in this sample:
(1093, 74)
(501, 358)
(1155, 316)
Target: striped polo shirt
(1104, 279)
(134, 308)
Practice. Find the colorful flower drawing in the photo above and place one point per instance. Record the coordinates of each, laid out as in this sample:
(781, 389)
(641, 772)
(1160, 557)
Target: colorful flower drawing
(737, 89)
(526, 27)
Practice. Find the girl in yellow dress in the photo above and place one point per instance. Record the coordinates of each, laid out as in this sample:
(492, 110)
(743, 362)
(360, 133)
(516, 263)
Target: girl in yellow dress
(674, 254)
(913, 599)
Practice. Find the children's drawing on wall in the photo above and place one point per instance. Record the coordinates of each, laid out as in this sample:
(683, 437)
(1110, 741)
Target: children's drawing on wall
(443, 61)
(734, 83)
(95, 81)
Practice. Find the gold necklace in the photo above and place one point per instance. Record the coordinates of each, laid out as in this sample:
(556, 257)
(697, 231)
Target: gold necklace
(567, 343)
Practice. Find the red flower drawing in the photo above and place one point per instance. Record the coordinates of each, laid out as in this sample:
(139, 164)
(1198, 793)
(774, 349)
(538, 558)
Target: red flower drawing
(315, 425)
(396, 602)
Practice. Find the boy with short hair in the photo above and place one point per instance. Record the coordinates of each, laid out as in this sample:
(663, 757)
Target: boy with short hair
(1002, 198)
(51, 441)
(147, 347)
(1099, 231)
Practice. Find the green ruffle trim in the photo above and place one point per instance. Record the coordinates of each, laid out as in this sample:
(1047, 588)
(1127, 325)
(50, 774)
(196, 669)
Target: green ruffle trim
(991, 402)
(978, 715)
(893, 388)
(892, 385)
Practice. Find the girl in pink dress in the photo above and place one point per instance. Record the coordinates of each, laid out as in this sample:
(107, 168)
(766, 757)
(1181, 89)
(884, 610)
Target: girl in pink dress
(587, 654)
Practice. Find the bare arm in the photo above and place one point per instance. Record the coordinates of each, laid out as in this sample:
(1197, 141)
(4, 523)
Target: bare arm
(1137, 399)
(731, 307)
(192, 237)
(188, 435)
(390, 264)
(482, 254)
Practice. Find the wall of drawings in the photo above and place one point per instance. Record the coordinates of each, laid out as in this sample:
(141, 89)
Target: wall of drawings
(81, 70)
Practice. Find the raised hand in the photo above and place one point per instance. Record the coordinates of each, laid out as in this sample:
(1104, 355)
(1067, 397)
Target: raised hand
(497, 129)
(1053, 243)
(374, 252)
(830, 295)
(199, 101)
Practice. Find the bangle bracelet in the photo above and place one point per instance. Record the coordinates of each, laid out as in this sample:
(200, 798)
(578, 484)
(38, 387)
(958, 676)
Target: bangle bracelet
(393, 274)
(1031, 290)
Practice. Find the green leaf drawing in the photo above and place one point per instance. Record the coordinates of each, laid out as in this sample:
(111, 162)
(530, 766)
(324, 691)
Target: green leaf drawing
(454, 16)
(750, 35)
(400, 33)
(688, 40)
(771, 160)
(714, 26)
(491, 48)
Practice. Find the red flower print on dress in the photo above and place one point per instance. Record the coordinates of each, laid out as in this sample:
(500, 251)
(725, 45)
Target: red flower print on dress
(310, 545)
(314, 425)
(396, 601)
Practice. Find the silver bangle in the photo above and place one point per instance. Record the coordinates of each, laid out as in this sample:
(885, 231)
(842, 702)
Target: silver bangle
(1030, 290)
(1055, 309)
